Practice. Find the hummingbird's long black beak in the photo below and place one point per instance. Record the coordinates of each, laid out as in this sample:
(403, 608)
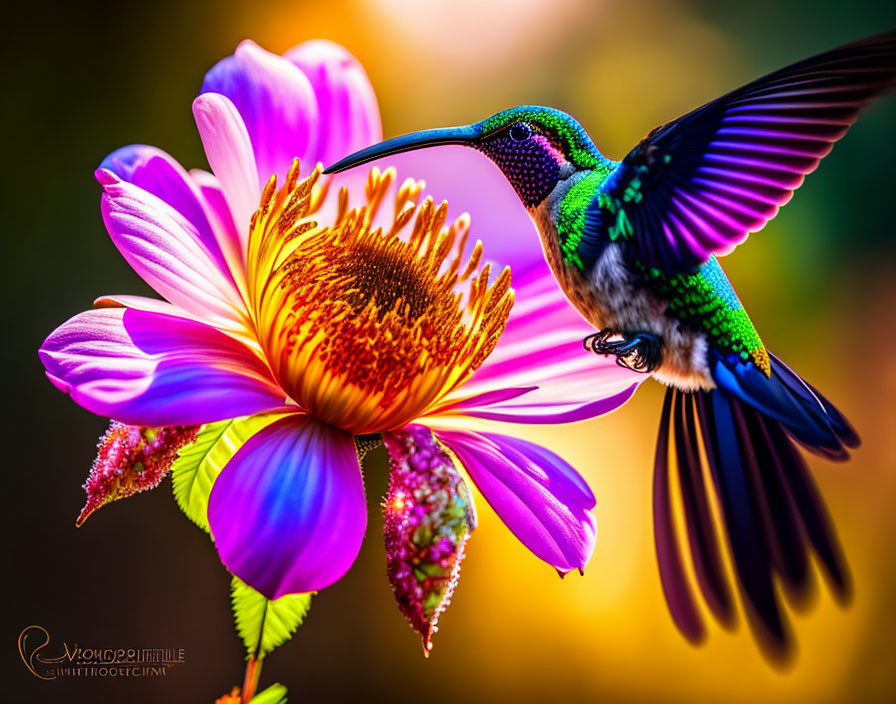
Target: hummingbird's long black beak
(416, 140)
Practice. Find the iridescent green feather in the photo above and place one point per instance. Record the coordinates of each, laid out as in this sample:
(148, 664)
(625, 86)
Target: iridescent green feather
(620, 227)
(704, 300)
(571, 216)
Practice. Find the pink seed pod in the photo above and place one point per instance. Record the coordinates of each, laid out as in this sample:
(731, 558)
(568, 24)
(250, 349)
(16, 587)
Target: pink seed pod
(428, 516)
(132, 459)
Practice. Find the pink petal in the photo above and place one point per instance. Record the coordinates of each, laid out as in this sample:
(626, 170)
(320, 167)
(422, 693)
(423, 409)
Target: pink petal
(229, 153)
(276, 104)
(144, 303)
(152, 369)
(218, 212)
(158, 173)
(472, 184)
(155, 305)
(485, 399)
(349, 115)
(547, 413)
(166, 250)
(542, 346)
(288, 512)
(539, 496)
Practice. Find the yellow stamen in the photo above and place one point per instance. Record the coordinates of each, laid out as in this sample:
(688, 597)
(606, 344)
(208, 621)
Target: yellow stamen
(361, 328)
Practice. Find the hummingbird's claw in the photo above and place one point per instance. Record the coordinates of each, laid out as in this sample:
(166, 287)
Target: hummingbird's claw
(641, 352)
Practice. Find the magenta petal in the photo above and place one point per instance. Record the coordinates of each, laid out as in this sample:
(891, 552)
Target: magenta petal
(218, 212)
(155, 305)
(485, 399)
(472, 184)
(151, 369)
(168, 253)
(152, 305)
(572, 383)
(276, 103)
(552, 414)
(538, 495)
(158, 173)
(288, 512)
(345, 99)
(229, 152)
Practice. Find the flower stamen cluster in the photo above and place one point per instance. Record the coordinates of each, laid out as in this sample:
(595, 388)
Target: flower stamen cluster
(366, 329)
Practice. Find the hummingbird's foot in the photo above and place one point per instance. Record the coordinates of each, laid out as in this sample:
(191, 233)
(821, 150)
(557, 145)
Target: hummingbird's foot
(641, 352)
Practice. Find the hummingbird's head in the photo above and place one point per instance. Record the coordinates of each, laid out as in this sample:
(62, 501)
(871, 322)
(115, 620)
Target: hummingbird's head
(535, 147)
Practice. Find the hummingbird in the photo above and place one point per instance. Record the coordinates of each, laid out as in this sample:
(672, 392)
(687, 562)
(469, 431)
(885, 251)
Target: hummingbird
(634, 244)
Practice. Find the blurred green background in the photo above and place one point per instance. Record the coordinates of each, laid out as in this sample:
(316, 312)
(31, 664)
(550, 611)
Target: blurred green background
(83, 79)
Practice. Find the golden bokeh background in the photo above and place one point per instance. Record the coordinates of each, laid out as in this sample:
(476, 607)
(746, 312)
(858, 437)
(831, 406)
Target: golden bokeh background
(818, 281)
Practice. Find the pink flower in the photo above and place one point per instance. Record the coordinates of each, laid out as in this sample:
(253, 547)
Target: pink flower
(306, 309)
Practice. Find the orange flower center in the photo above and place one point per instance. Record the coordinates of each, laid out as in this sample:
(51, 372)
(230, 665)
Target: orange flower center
(363, 328)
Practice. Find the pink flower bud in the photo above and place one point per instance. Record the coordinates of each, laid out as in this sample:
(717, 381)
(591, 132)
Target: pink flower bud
(132, 459)
(429, 515)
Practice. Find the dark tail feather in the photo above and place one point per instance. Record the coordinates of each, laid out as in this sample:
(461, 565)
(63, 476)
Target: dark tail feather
(708, 564)
(730, 462)
(770, 510)
(807, 416)
(778, 512)
(675, 585)
(809, 504)
(812, 397)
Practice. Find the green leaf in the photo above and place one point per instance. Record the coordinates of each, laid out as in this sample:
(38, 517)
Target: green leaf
(198, 465)
(264, 624)
(275, 694)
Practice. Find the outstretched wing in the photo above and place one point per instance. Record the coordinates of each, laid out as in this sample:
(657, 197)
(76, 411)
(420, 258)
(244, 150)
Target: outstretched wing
(700, 184)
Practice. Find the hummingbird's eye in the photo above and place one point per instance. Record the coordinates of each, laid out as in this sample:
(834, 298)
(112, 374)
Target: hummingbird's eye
(520, 132)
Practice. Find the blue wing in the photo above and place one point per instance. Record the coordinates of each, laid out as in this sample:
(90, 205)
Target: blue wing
(700, 184)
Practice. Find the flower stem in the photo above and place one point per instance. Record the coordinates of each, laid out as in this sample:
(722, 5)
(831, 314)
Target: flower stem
(250, 682)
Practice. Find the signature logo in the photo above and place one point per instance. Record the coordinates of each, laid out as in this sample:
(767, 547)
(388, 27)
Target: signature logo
(74, 661)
